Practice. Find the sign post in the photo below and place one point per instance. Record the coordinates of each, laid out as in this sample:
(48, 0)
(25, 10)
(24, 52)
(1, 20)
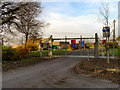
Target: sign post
(106, 33)
(73, 43)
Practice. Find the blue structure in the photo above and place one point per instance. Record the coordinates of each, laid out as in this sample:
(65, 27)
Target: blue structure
(73, 45)
(83, 43)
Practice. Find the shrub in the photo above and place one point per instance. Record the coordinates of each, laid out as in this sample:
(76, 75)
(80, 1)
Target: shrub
(32, 47)
(9, 54)
(23, 53)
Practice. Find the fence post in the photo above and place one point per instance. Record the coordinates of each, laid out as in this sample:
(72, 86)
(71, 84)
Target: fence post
(96, 46)
(50, 46)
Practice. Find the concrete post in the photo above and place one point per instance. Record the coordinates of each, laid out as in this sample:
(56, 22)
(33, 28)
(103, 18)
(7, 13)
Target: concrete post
(96, 46)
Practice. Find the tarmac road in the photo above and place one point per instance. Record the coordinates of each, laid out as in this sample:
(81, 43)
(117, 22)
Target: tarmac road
(57, 73)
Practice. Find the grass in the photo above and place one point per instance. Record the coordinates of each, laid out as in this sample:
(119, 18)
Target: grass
(116, 51)
(60, 52)
(45, 52)
(37, 53)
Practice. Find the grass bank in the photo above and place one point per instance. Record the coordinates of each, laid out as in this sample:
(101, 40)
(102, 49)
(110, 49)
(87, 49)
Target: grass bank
(116, 51)
(45, 52)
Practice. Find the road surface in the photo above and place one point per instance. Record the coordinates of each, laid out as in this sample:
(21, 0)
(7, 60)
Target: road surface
(57, 73)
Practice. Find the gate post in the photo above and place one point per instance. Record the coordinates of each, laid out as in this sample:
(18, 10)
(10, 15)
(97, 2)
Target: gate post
(50, 46)
(96, 46)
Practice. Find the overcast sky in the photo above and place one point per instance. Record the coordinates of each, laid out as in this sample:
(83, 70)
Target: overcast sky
(75, 18)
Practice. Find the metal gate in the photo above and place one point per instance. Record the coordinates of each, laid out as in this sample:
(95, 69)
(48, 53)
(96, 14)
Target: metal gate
(65, 49)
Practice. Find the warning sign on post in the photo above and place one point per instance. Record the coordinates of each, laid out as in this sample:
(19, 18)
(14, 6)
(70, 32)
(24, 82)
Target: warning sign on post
(82, 43)
(73, 43)
(106, 31)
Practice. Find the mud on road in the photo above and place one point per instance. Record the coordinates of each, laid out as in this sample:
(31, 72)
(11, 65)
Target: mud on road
(57, 73)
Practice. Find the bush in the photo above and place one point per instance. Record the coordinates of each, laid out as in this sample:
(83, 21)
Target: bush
(9, 54)
(32, 47)
(23, 53)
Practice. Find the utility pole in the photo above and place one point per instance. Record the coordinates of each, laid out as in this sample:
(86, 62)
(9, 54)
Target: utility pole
(114, 38)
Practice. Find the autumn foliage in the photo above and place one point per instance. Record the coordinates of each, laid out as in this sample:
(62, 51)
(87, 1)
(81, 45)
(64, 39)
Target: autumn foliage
(23, 53)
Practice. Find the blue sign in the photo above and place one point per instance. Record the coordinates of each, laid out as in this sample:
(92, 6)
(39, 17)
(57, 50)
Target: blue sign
(82, 43)
(73, 45)
(106, 31)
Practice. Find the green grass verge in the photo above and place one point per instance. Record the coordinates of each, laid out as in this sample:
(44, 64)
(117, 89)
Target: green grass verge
(45, 52)
(116, 51)
(37, 53)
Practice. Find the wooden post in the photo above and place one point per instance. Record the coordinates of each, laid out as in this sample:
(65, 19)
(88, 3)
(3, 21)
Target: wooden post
(114, 38)
(40, 46)
(96, 46)
(50, 46)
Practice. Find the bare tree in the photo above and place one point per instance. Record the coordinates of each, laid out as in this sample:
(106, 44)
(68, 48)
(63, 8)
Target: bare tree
(8, 11)
(23, 17)
(37, 31)
(26, 22)
(104, 14)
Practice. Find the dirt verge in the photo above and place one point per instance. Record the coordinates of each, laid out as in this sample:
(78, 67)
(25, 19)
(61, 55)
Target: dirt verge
(99, 68)
(8, 65)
